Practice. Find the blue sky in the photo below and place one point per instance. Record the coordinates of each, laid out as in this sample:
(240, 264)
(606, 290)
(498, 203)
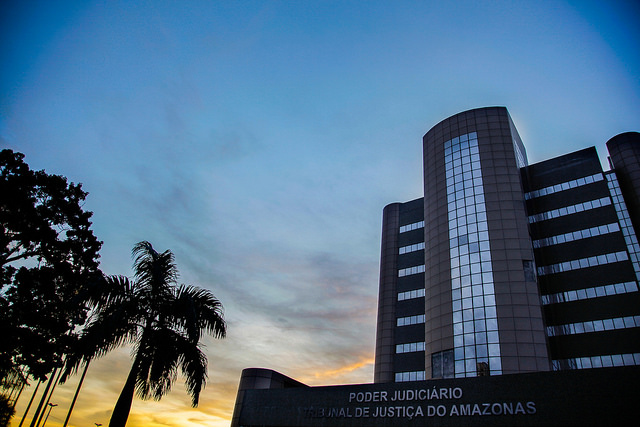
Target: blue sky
(260, 140)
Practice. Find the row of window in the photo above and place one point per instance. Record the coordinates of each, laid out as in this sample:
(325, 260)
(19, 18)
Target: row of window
(411, 347)
(474, 367)
(469, 214)
(467, 224)
(474, 302)
(411, 270)
(410, 320)
(410, 227)
(411, 248)
(577, 235)
(568, 210)
(459, 143)
(595, 292)
(467, 244)
(564, 186)
(475, 325)
(462, 270)
(472, 177)
(402, 377)
(465, 164)
(625, 222)
(594, 326)
(416, 293)
(476, 314)
(605, 361)
(462, 189)
(469, 340)
(478, 291)
(577, 264)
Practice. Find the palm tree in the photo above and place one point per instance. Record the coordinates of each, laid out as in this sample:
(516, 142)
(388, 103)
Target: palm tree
(163, 321)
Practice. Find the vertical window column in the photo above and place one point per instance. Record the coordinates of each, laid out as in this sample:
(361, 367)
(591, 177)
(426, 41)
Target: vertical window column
(475, 324)
(625, 222)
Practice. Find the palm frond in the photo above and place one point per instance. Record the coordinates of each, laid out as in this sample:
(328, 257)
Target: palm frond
(156, 271)
(198, 311)
(159, 357)
(111, 326)
(111, 290)
(194, 368)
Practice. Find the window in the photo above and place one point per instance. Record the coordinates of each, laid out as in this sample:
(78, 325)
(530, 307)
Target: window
(411, 270)
(411, 248)
(629, 359)
(595, 292)
(583, 263)
(577, 235)
(529, 270)
(416, 293)
(568, 210)
(563, 186)
(593, 326)
(410, 227)
(442, 364)
(411, 347)
(410, 320)
(409, 376)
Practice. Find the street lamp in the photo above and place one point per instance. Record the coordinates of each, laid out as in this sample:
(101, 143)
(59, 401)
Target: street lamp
(51, 405)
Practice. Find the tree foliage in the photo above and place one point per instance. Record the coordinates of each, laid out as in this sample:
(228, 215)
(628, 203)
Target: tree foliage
(48, 255)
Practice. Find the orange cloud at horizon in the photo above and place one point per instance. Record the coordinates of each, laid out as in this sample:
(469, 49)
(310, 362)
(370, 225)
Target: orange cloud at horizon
(340, 372)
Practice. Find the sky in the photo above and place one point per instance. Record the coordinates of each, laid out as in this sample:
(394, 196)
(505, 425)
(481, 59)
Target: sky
(260, 140)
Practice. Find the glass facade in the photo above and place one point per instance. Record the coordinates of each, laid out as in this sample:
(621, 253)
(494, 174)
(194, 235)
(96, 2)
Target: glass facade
(625, 222)
(475, 323)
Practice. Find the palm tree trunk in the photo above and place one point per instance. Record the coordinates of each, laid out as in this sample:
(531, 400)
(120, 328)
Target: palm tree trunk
(40, 408)
(30, 402)
(75, 396)
(123, 405)
(49, 397)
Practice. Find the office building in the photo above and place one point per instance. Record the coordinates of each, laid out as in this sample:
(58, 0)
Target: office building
(500, 292)
(505, 267)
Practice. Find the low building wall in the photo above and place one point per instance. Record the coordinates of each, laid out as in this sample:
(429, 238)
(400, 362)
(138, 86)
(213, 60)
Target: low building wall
(604, 396)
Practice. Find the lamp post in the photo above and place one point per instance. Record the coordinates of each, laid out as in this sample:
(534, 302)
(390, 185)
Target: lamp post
(51, 405)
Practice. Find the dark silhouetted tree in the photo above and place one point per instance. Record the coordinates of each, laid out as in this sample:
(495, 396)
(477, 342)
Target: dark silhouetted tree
(48, 254)
(164, 322)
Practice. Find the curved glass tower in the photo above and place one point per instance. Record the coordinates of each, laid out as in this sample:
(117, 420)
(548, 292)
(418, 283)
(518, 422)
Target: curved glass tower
(465, 302)
(480, 281)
